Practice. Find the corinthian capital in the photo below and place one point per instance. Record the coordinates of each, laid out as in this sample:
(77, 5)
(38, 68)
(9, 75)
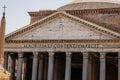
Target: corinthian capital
(20, 54)
(51, 54)
(35, 53)
(85, 55)
(68, 54)
(102, 55)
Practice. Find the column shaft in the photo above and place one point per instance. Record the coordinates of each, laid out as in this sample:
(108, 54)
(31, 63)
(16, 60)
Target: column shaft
(20, 62)
(68, 66)
(12, 67)
(40, 74)
(85, 67)
(24, 68)
(102, 66)
(35, 66)
(6, 60)
(50, 66)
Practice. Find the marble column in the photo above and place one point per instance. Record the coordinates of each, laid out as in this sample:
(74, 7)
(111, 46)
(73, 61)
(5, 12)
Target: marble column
(24, 68)
(50, 65)
(102, 66)
(12, 67)
(85, 66)
(6, 60)
(68, 66)
(20, 62)
(119, 66)
(35, 65)
(40, 73)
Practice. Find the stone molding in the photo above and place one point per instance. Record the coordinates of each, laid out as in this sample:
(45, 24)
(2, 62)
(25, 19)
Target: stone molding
(62, 41)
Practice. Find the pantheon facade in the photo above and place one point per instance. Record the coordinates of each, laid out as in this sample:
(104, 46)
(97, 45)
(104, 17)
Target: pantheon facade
(77, 41)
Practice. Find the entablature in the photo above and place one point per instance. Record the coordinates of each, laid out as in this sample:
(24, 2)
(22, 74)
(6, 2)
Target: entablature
(64, 45)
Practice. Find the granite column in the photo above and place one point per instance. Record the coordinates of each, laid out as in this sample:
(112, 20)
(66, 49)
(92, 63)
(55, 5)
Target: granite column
(35, 65)
(68, 66)
(20, 62)
(50, 65)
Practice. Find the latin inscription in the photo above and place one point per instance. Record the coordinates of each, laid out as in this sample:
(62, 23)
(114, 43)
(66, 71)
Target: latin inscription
(65, 46)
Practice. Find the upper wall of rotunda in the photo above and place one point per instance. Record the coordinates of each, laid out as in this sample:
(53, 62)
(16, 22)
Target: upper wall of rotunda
(90, 4)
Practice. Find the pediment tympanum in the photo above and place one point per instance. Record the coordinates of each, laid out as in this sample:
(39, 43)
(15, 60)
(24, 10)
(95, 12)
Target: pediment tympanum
(62, 28)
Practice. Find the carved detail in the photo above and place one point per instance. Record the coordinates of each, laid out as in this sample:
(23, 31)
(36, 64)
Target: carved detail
(68, 54)
(85, 55)
(51, 54)
(35, 54)
(62, 41)
(102, 55)
(20, 54)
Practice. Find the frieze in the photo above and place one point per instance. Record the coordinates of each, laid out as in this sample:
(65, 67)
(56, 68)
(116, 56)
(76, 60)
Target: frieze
(65, 46)
(62, 47)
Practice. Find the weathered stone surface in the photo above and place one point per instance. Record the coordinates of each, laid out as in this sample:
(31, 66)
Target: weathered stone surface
(62, 28)
(90, 4)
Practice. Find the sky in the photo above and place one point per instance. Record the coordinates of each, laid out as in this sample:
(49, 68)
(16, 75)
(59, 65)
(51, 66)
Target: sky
(17, 11)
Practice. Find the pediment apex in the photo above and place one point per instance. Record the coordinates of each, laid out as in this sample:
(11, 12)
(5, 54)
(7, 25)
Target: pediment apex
(60, 14)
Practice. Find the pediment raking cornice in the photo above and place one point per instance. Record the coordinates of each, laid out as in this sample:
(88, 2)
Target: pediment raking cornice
(60, 14)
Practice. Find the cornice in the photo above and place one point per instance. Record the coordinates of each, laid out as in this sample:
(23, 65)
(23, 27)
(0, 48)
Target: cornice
(94, 26)
(30, 26)
(94, 11)
(86, 11)
(63, 41)
(41, 12)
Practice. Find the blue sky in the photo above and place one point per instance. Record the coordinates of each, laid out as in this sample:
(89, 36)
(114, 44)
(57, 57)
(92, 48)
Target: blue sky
(16, 12)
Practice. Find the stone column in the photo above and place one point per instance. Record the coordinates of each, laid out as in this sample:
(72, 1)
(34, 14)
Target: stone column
(12, 67)
(85, 66)
(119, 66)
(6, 60)
(24, 68)
(20, 62)
(102, 66)
(68, 66)
(50, 65)
(35, 66)
(40, 76)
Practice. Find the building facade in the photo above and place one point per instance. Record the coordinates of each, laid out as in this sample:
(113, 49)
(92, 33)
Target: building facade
(78, 41)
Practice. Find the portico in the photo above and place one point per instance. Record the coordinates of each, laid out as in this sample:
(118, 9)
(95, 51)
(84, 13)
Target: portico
(74, 42)
(89, 60)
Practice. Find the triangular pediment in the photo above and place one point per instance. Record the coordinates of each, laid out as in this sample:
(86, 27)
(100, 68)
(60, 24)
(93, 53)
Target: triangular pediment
(62, 26)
